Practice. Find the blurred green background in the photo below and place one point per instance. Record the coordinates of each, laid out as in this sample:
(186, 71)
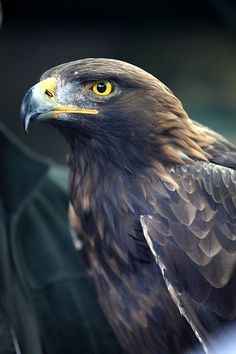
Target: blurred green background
(190, 46)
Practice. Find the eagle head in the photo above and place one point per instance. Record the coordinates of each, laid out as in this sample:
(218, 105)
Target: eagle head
(115, 110)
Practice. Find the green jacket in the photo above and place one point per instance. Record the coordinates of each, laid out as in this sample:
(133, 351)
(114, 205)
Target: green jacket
(47, 304)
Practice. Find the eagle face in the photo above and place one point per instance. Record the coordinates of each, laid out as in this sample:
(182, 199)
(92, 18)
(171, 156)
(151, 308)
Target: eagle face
(88, 90)
(108, 102)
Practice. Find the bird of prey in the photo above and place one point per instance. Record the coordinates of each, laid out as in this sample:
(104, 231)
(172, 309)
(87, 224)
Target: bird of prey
(152, 202)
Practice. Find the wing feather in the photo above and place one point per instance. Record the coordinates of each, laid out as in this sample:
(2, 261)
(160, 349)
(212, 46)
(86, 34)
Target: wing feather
(194, 233)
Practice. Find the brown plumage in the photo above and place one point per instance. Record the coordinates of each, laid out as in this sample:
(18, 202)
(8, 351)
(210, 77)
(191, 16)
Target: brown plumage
(153, 203)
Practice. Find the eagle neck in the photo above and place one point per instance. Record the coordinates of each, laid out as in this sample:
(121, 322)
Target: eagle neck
(97, 182)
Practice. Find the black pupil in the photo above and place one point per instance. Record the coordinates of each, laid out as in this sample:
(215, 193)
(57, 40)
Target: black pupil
(101, 87)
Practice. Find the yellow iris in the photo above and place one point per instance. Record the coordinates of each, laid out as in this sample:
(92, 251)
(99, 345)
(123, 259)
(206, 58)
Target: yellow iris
(102, 88)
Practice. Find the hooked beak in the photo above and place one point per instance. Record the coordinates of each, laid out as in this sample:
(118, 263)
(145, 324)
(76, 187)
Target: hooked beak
(39, 103)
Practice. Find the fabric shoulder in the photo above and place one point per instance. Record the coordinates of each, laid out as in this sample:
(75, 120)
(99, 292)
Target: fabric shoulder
(59, 175)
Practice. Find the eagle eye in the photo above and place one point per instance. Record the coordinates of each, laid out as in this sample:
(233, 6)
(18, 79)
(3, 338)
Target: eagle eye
(101, 88)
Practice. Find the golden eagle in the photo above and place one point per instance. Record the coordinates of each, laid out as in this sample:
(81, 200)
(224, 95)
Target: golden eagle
(152, 202)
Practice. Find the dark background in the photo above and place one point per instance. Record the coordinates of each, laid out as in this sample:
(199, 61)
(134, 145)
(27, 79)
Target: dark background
(190, 46)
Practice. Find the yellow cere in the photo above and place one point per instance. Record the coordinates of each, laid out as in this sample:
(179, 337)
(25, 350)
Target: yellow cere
(102, 88)
(45, 91)
(49, 86)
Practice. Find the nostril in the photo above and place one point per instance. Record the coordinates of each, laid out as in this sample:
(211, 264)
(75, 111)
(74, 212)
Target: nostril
(48, 93)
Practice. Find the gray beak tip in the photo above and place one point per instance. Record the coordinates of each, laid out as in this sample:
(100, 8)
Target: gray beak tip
(26, 111)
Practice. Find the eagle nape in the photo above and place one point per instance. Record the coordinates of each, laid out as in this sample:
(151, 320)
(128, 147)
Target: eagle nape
(152, 202)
